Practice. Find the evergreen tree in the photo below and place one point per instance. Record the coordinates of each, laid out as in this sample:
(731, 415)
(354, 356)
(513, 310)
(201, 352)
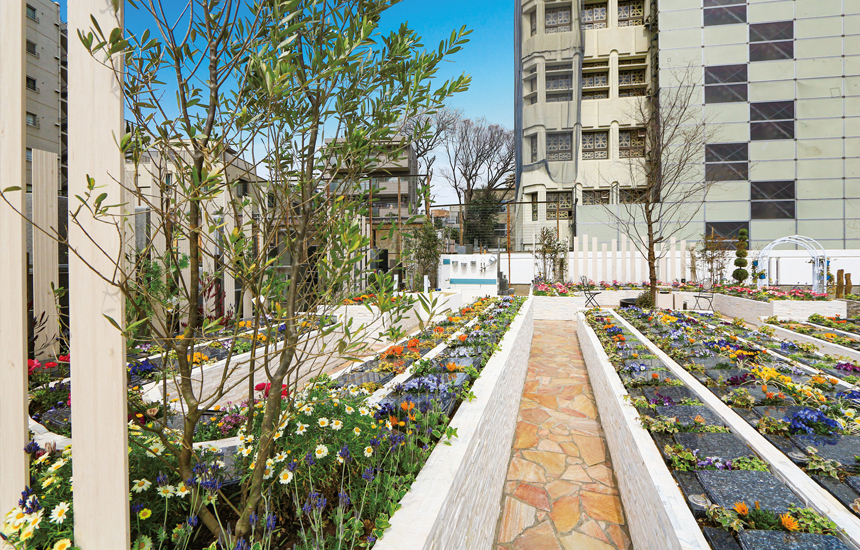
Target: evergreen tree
(740, 274)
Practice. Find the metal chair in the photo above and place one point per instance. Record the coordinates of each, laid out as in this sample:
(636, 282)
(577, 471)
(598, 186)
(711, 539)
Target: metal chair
(706, 293)
(590, 296)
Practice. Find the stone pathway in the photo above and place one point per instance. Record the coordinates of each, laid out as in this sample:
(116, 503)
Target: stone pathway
(560, 492)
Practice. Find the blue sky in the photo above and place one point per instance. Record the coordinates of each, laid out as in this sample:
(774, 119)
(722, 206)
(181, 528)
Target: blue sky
(488, 56)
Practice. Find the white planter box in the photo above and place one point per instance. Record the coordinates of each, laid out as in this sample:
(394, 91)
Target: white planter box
(752, 310)
(454, 501)
(657, 515)
(824, 347)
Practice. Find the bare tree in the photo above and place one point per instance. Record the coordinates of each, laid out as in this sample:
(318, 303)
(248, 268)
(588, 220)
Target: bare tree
(665, 166)
(480, 155)
(427, 132)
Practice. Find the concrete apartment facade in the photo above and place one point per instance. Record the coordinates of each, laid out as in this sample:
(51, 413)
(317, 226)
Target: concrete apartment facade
(780, 78)
(45, 118)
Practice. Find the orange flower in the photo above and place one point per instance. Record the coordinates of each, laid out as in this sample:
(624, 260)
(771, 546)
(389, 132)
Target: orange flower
(764, 388)
(655, 376)
(769, 395)
(741, 508)
(699, 419)
(462, 337)
(788, 522)
(452, 366)
(439, 329)
(413, 343)
(407, 405)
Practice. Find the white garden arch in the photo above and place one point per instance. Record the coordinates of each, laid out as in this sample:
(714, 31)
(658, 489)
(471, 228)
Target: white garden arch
(816, 252)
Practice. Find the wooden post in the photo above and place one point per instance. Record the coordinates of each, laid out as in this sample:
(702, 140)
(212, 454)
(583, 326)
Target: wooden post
(840, 283)
(604, 273)
(613, 261)
(594, 265)
(46, 268)
(575, 263)
(673, 269)
(848, 284)
(13, 268)
(99, 410)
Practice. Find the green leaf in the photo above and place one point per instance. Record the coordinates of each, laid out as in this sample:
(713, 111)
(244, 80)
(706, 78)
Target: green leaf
(111, 320)
(13, 188)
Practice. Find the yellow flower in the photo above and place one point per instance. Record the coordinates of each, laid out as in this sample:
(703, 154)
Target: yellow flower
(145, 513)
(356, 430)
(64, 544)
(27, 533)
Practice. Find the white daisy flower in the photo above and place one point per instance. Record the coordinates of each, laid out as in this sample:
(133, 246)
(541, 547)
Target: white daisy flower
(349, 410)
(57, 465)
(368, 451)
(182, 491)
(140, 485)
(155, 450)
(167, 491)
(336, 425)
(285, 477)
(356, 430)
(364, 411)
(60, 513)
(301, 428)
(323, 422)
(321, 451)
(280, 457)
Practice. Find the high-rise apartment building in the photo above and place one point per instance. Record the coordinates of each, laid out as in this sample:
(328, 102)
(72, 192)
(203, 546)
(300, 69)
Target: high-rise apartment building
(46, 84)
(549, 64)
(780, 79)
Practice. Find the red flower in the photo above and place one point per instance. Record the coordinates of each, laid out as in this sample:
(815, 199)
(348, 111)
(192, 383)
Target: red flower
(50, 365)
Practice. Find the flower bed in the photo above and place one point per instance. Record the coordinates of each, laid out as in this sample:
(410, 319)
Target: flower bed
(755, 310)
(767, 294)
(744, 499)
(835, 343)
(340, 466)
(809, 415)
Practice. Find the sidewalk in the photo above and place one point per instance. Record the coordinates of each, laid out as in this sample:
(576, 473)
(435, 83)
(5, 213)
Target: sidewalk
(560, 492)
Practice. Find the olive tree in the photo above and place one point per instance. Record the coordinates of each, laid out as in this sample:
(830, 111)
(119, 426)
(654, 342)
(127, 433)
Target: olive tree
(216, 93)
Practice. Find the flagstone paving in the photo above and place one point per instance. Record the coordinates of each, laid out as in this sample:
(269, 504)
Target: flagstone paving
(560, 492)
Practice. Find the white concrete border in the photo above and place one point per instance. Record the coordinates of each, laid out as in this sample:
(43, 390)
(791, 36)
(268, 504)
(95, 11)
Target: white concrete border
(753, 310)
(824, 346)
(454, 501)
(781, 466)
(657, 514)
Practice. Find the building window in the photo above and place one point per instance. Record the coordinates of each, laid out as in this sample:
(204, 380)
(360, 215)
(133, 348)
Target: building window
(725, 12)
(533, 148)
(593, 16)
(631, 143)
(558, 146)
(630, 13)
(595, 196)
(772, 120)
(31, 48)
(31, 13)
(559, 206)
(726, 84)
(631, 196)
(596, 95)
(32, 120)
(29, 155)
(558, 86)
(631, 92)
(726, 161)
(595, 80)
(600, 63)
(769, 41)
(534, 207)
(557, 20)
(726, 230)
(533, 23)
(595, 145)
(635, 76)
(772, 200)
(31, 84)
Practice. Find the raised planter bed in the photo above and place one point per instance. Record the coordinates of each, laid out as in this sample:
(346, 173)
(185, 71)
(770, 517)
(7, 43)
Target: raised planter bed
(658, 516)
(691, 407)
(454, 501)
(826, 347)
(753, 310)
